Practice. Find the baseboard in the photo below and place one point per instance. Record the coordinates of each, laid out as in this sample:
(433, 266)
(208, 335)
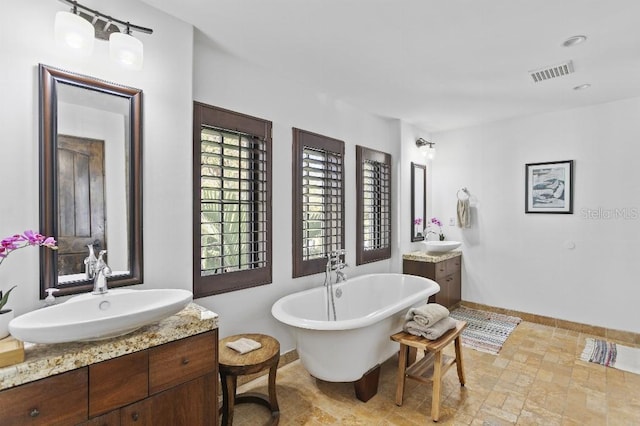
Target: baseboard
(607, 333)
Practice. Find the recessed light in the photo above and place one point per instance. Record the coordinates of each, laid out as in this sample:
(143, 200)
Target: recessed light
(582, 86)
(572, 41)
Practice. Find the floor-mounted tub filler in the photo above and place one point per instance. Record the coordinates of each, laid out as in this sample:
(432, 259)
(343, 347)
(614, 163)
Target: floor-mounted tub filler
(369, 308)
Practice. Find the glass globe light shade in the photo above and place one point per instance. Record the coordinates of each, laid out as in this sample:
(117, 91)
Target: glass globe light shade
(126, 50)
(73, 31)
(431, 152)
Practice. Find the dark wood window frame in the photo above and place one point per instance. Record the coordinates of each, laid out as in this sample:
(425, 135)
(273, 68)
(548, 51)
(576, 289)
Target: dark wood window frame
(210, 116)
(303, 139)
(383, 218)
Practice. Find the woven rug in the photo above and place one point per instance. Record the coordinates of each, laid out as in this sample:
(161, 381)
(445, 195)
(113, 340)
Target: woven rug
(486, 331)
(612, 355)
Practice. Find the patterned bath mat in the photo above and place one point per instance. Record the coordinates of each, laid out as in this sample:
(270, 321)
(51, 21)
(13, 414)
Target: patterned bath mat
(612, 355)
(486, 331)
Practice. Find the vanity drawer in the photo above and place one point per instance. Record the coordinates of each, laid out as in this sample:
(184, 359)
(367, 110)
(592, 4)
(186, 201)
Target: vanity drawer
(452, 265)
(178, 362)
(56, 400)
(447, 267)
(117, 382)
(441, 270)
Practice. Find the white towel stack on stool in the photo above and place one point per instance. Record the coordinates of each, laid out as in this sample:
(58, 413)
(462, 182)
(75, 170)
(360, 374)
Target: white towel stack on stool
(430, 321)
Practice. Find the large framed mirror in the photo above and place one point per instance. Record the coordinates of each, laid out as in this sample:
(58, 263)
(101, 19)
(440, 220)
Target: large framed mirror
(90, 179)
(418, 201)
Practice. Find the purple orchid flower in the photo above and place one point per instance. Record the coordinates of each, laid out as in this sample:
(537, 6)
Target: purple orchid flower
(28, 238)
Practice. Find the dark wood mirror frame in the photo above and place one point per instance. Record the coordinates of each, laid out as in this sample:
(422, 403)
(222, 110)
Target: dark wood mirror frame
(49, 79)
(415, 204)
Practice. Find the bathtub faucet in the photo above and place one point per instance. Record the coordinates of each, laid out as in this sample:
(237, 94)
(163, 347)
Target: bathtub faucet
(340, 275)
(335, 262)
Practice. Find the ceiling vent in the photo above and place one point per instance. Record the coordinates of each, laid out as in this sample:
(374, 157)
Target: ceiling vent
(554, 71)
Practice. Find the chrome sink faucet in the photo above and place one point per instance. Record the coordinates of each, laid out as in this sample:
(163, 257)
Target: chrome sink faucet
(426, 235)
(101, 271)
(90, 263)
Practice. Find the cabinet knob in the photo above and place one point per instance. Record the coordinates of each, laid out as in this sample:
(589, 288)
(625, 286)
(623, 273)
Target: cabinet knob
(34, 412)
(135, 416)
(185, 361)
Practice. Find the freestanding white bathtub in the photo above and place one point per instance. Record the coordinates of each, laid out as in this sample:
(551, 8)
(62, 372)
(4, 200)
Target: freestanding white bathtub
(370, 309)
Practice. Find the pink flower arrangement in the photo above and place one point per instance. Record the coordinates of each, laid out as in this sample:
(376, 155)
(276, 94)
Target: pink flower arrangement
(417, 221)
(17, 242)
(435, 221)
(27, 239)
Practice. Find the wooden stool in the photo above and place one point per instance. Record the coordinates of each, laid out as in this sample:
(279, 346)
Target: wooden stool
(432, 366)
(233, 364)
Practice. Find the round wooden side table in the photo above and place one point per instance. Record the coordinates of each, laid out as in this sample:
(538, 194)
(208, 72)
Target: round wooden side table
(233, 364)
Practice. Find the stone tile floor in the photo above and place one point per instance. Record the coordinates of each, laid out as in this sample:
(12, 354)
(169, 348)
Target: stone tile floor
(536, 379)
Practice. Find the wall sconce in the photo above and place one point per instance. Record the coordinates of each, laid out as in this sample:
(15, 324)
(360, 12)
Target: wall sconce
(78, 28)
(430, 152)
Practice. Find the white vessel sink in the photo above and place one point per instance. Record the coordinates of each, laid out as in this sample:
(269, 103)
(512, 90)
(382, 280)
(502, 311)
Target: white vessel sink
(440, 246)
(96, 317)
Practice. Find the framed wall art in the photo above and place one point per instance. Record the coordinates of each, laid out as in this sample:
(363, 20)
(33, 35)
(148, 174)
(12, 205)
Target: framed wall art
(549, 187)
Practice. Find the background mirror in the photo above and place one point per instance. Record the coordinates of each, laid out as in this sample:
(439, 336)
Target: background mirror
(418, 201)
(90, 178)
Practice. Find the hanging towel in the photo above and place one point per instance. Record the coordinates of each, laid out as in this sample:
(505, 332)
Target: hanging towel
(427, 315)
(433, 332)
(464, 214)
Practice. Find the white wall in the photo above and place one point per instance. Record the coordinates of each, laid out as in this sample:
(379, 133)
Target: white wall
(523, 261)
(170, 81)
(26, 31)
(226, 82)
(511, 260)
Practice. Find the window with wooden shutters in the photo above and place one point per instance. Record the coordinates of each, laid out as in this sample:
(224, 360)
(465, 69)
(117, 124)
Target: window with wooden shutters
(232, 201)
(373, 180)
(318, 201)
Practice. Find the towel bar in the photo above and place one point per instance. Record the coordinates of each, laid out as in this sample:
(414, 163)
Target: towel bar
(464, 191)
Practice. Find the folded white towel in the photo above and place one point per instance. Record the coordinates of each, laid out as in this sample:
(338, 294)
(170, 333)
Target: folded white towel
(244, 345)
(433, 332)
(464, 214)
(427, 314)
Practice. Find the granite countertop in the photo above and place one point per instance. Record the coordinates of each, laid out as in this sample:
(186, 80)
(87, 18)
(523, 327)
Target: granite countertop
(422, 256)
(47, 360)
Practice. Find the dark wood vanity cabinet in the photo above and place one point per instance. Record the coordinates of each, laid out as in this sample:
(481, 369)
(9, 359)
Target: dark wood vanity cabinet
(171, 384)
(447, 273)
(56, 400)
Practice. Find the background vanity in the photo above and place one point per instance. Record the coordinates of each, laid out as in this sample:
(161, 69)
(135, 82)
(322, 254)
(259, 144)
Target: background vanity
(445, 269)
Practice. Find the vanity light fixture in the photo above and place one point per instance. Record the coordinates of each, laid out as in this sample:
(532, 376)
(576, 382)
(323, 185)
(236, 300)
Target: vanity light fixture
(126, 49)
(75, 32)
(78, 28)
(430, 151)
